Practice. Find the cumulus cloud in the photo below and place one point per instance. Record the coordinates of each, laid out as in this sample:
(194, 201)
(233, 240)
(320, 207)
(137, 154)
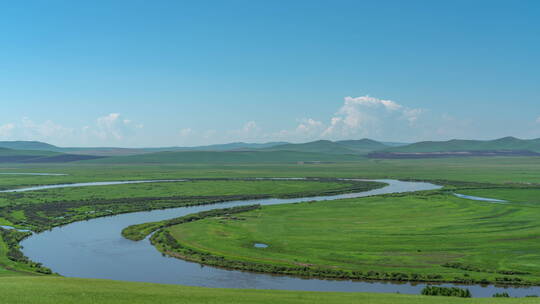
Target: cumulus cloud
(250, 130)
(209, 133)
(109, 129)
(47, 129)
(186, 132)
(309, 126)
(114, 127)
(357, 117)
(370, 116)
(27, 129)
(250, 126)
(6, 129)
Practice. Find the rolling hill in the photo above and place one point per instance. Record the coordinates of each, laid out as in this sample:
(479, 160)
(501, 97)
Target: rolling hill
(320, 150)
(229, 147)
(37, 156)
(29, 145)
(319, 146)
(363, 145)
(505, 143)
(229, 157)
(509, 146)
(116, 151)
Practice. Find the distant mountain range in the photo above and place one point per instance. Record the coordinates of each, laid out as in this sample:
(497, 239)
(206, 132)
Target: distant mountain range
(320, 150)
(353, 147)
(39, 156)
(506, 146)
(115, 151)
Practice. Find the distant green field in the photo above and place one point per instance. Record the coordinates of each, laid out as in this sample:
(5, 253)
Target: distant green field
(417, 235)
(228, 157)
(10, 152)
(56, 290)
(492, 169)
(172, 189)
(44, 209)
(459, 219)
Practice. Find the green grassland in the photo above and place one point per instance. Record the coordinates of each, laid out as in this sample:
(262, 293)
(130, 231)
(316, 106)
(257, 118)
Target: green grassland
(483, 237)
(264, 188)
(228, 157)
(41, 210)
(56, 290)
(417, 235)
(44, 209)
(475, 169)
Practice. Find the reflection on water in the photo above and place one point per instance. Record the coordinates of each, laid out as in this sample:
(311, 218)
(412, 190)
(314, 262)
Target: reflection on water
(477, 198)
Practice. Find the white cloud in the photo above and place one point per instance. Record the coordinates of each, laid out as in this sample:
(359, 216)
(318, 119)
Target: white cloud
(113, 127)
(354, 118)
(412, 115)
(109, 129)
(538, 120)
(249, 131)
(46, 130)
(358, 117)
(6, 129)
(369, 116)
(309, 126)
(186, 132)
(250, 126)
(209, 134)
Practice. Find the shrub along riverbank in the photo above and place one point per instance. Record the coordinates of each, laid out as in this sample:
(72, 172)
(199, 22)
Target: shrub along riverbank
(11, 256)
(139, 232)
(58, 207)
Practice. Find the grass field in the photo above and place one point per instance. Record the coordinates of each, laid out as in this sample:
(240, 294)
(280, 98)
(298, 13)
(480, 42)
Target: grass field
(531, 196)
(40, 210)
(493, 170)
(43, 209)
(417, 235)
(56, 290)
(170, 189)
(380, 233)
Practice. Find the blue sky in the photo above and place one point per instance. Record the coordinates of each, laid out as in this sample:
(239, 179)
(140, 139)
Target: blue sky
(162, 73)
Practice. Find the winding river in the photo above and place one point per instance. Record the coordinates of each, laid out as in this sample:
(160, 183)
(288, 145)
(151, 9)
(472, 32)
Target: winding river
(96, 249)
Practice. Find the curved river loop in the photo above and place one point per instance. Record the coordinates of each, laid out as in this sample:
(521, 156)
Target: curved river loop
(96, 249)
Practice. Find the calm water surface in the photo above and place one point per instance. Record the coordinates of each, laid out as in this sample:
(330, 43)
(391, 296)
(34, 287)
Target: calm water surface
(477, 198)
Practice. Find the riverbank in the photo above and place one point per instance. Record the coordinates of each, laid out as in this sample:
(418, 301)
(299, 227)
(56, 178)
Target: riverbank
(56, 290)
(388, 238)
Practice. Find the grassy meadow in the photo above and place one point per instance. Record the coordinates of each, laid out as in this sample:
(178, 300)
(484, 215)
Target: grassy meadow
(498, 170)
(56, 290)
(418, 235)
(476, 240)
